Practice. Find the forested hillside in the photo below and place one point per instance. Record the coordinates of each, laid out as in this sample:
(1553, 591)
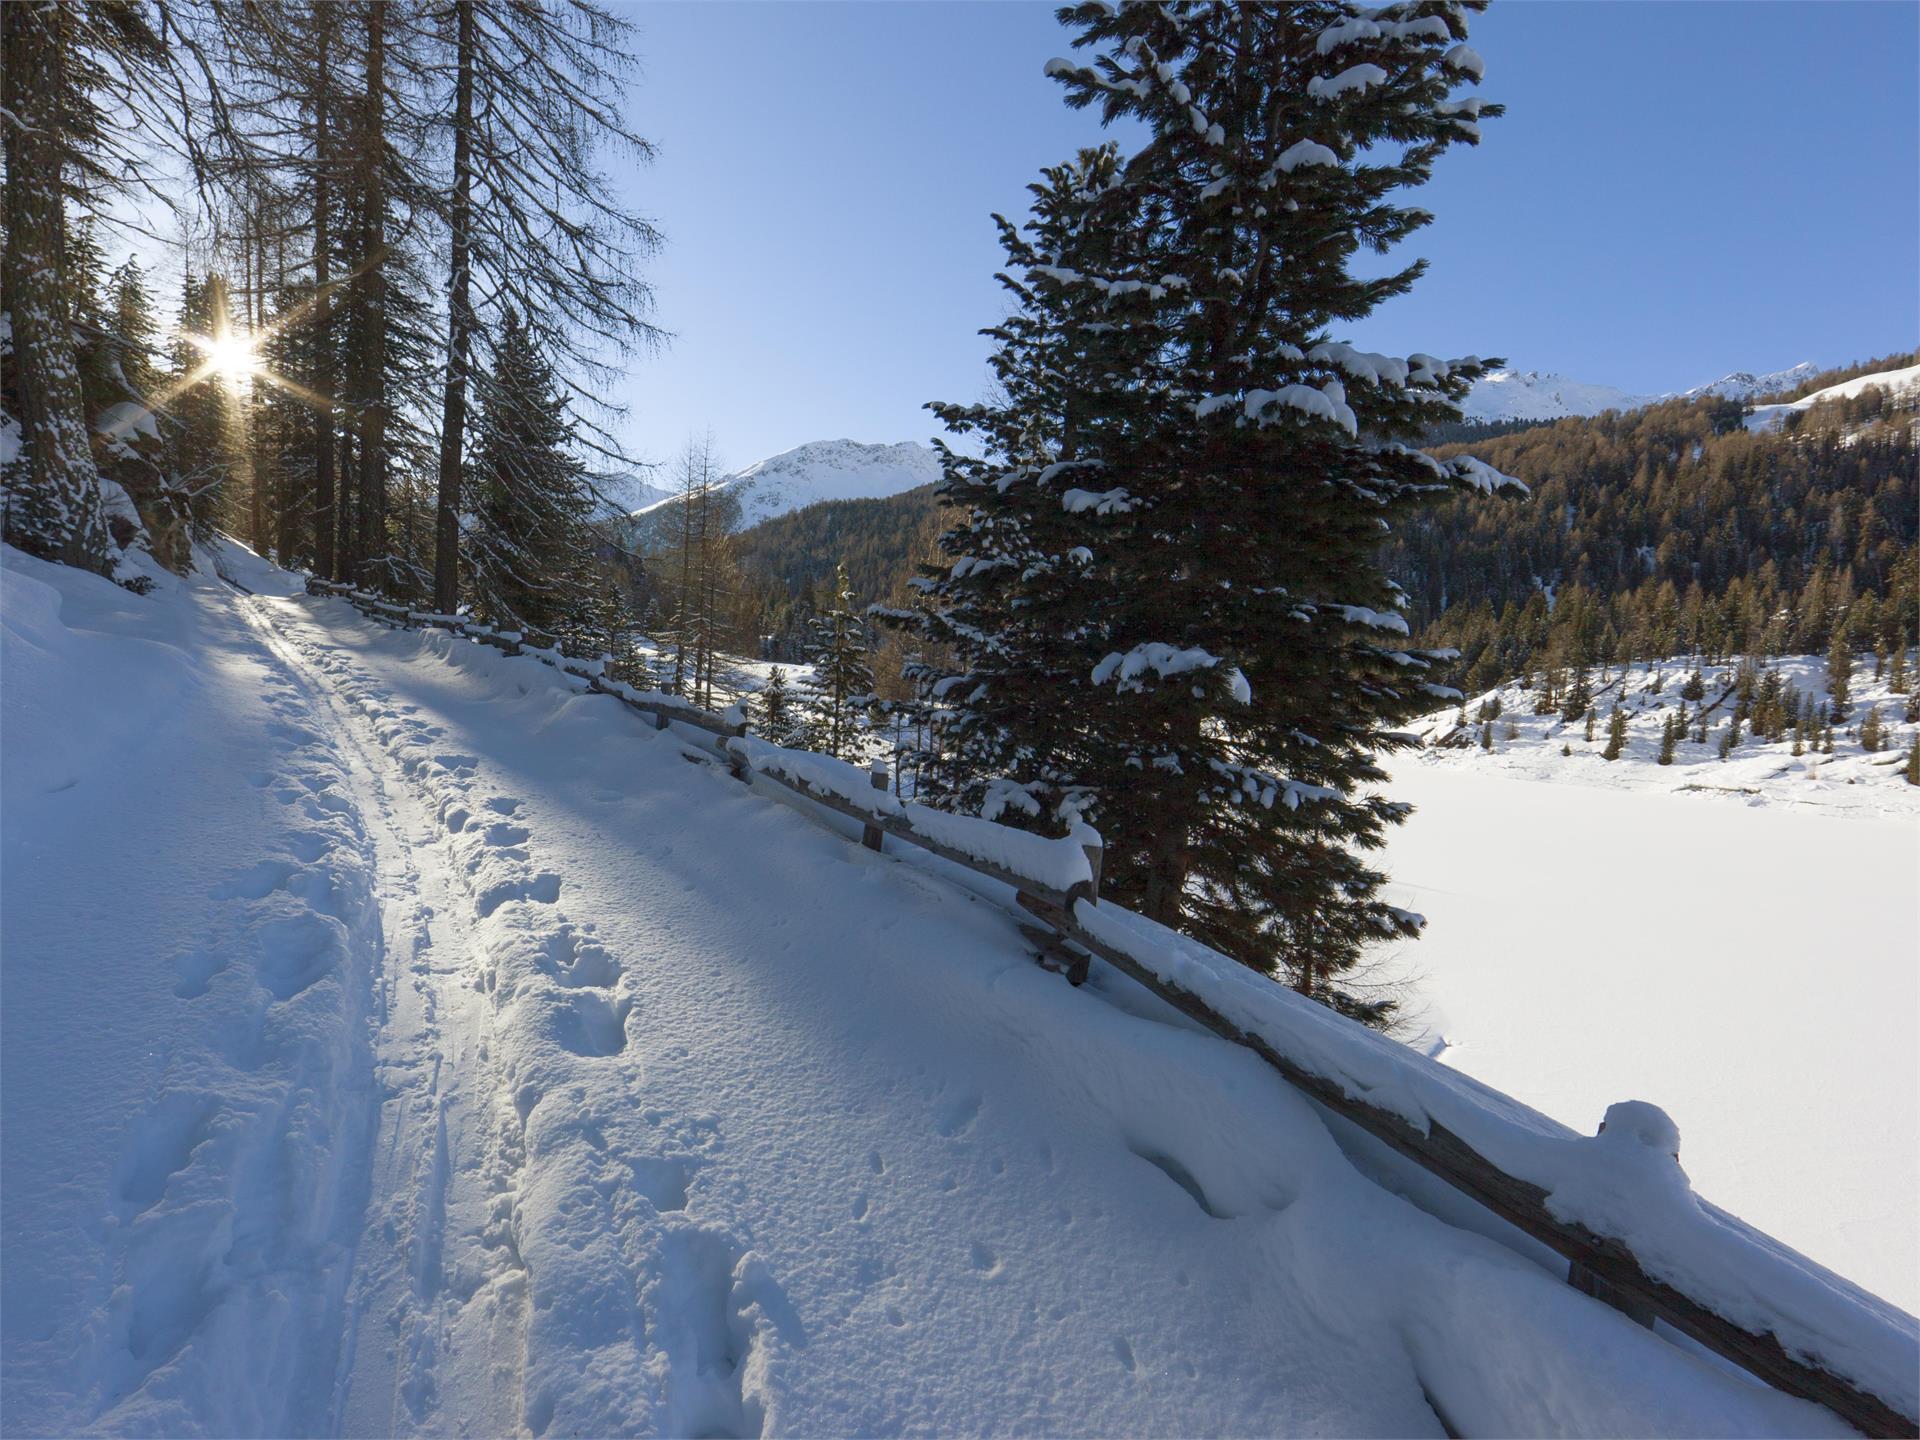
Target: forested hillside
(1662, 529)
(1672, 528)
(877, 540)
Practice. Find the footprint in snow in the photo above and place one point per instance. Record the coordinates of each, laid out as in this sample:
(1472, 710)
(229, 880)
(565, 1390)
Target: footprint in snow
(256, 882)
(196, 969)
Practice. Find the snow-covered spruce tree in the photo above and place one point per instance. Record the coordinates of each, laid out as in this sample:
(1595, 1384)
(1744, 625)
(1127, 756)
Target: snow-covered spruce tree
(1246, 647)
(1010, 696)
(842, 683)
(529, 538)
(773, 717)
(52, 500)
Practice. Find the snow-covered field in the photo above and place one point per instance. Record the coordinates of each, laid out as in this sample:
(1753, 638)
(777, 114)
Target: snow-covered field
(1737, 941)
(396, 1040)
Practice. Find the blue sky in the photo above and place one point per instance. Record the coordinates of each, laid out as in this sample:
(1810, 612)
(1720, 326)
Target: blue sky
(1677, 190)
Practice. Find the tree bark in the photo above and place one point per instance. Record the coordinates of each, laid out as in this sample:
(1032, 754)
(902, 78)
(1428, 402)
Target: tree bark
(453, 418)
(370, 313)
(53, 509)
(322, 375)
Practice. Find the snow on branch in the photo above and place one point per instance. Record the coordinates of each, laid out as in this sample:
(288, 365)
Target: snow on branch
(1356, 77)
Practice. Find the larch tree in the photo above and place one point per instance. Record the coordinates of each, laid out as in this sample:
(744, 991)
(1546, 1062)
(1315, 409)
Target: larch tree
(533, 226)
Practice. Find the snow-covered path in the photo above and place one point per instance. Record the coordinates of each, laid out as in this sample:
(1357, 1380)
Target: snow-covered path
(604, 1096)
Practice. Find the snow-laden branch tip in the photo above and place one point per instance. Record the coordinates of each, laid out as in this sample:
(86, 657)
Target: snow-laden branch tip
(1356, 77)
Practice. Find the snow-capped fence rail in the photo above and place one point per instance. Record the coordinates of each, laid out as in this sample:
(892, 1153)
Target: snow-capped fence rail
(1616, 1206)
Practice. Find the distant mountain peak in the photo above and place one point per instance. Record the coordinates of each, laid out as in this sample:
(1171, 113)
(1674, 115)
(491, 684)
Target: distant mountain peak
(1542, 395)
(1503, 395)
(1743, 383)
(824, 470)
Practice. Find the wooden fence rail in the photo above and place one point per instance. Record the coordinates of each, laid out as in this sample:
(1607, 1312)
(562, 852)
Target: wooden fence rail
(1598, 1265)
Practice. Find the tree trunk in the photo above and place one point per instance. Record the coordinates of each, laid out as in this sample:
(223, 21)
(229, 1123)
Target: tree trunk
(453, 419)
(321, 375)
(253, 287)
(370, 314)
(54, 509)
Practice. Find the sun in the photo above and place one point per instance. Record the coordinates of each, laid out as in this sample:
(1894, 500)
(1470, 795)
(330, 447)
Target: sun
(230, 355)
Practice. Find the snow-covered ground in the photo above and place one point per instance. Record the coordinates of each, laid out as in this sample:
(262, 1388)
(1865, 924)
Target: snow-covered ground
(399, 1041)
(1735, 940)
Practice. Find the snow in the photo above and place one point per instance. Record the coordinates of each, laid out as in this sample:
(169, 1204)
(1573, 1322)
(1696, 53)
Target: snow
(1542, 395)
(1355, 77)
(1746, 961)
(1162, 659)
(1900, 384)
(399, 1039)
(1304, 152)
(821, 470)
(1742, 384)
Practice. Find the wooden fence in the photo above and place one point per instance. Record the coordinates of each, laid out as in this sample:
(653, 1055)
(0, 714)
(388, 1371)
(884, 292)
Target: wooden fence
(1598, 1265)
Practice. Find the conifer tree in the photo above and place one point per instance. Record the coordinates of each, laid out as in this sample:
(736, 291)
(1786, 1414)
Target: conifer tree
(1486, 735)
(1203, 527)
(1579, 697)
(1616, 734)
(773, 718)
(842, 683)
(1592, 714)
(1839, 673)
(1668, 734)
(1870, 730)
(532, 226)
(1913, 762)
(51, 120)
(531, 501)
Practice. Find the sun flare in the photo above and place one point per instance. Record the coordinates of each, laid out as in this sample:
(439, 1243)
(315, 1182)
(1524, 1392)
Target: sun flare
(231, 355)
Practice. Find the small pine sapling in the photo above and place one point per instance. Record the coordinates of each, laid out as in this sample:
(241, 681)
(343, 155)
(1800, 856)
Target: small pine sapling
(1667, 738)
(1616, 735)
(1591, 713)
(1871, 735)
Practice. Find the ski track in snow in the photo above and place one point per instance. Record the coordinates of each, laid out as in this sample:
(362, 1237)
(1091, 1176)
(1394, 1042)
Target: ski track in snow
(554, 1086)
(494, 999)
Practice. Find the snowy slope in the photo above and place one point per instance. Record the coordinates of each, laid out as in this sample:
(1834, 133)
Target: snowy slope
(441, 1053)
(1899, 384)
(1733, 940)
(1542, 395)
(1744, 383)
(824, 470)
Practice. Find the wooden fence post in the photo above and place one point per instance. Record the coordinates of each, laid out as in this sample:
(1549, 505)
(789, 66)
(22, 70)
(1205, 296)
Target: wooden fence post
(737, 764)
(870, 835)
(1096, 852)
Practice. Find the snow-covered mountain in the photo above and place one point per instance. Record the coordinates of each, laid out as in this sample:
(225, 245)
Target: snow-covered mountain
(1743, 383)
(824, 470)
(1899, 384)
(1542, 395)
